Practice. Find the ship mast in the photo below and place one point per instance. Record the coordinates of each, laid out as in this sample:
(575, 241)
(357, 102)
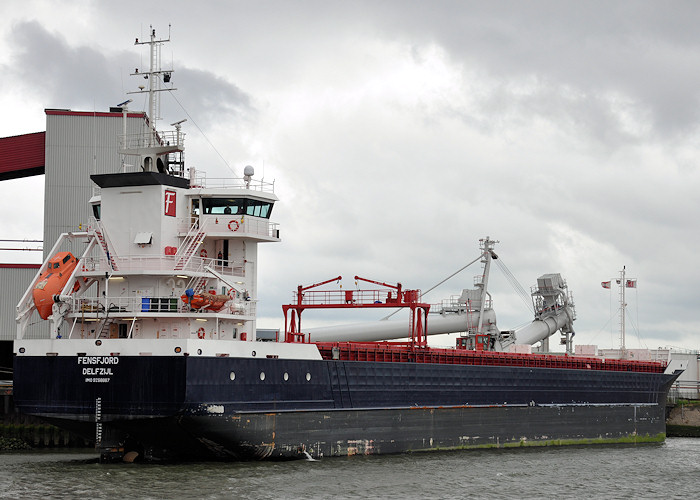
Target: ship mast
(487, 254)
(161, 151)
(155, 75)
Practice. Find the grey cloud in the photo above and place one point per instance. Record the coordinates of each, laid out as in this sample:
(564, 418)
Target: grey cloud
(62, 75)
(210, 98)
(643, 50)
(85, 78)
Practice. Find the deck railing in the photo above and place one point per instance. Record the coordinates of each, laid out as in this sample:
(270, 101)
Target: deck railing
(165, 263)
(101, 307)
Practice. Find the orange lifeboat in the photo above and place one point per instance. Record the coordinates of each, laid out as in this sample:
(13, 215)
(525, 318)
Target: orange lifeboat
(52, 281)
(211, 301)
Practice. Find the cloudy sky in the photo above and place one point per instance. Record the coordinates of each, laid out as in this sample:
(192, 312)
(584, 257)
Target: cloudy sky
(398, 133)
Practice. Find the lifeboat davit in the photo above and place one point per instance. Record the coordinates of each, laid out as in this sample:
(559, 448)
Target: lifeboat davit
(210, 300)
(52, 281)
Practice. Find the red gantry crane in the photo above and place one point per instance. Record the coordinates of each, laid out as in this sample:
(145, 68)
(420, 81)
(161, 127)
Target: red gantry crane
(392, 296)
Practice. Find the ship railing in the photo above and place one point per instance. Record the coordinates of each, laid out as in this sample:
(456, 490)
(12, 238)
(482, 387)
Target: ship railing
(202, 181)
(224, 267)
(684, 389)
(165, 263)
(199, 264)
(99, 308)
(348, 297)
(454, 305)
(149, 138)
(235, 225)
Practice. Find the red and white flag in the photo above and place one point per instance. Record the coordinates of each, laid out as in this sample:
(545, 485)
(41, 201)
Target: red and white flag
(631, 284)
(605, 284)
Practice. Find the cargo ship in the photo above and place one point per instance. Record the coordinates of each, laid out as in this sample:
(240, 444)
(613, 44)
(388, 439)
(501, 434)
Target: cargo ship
(155, 353)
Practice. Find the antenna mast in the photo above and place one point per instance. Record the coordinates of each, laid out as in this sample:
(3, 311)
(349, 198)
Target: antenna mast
(155, 76)
(161, 151)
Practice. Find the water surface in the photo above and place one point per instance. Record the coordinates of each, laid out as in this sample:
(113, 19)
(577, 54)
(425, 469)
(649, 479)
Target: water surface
(668, 470)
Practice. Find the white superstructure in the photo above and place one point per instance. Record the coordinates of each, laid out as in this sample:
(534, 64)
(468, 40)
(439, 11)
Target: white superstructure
(167, 253)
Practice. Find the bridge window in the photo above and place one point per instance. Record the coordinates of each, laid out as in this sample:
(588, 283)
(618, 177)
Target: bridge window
(236, 206)
(258, 208)
(221, 206)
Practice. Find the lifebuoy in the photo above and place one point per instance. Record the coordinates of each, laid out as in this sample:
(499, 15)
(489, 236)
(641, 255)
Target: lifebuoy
(235, 223)
(203, 252)
(201, 333)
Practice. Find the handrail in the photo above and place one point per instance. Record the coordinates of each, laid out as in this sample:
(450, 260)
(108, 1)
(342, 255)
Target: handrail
(165, 263)
(202, 181)
(96, 308)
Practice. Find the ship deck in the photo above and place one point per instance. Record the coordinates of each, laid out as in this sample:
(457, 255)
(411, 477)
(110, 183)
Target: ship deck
(406, 352)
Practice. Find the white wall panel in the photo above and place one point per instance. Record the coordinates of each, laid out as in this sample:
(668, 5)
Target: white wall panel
(76, 147)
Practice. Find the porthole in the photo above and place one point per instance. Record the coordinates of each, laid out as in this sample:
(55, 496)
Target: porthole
(262, 375)
(199, 351)
(285, 376)
(308, 377)
(253, 353)
(232, 375)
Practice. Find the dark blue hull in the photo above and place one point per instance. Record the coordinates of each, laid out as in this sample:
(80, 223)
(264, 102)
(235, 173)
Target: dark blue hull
(225, 407)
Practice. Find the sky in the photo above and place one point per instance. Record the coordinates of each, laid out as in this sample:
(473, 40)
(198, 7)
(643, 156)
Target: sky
(399, 133)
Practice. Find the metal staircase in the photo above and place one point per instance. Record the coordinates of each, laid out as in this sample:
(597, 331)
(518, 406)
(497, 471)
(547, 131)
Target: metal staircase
(195, 237)
(105, 244)
(198, 284)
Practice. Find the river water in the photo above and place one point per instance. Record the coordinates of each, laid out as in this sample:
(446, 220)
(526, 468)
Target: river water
(669, 470)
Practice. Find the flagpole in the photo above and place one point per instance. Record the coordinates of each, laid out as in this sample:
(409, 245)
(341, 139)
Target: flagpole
(623, 285)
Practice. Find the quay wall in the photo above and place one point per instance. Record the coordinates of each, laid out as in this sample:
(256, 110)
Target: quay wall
(684, 419)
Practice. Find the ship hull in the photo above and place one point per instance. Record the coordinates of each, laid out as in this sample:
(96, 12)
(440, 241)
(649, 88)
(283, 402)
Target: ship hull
(177, 407)
(367, 432)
